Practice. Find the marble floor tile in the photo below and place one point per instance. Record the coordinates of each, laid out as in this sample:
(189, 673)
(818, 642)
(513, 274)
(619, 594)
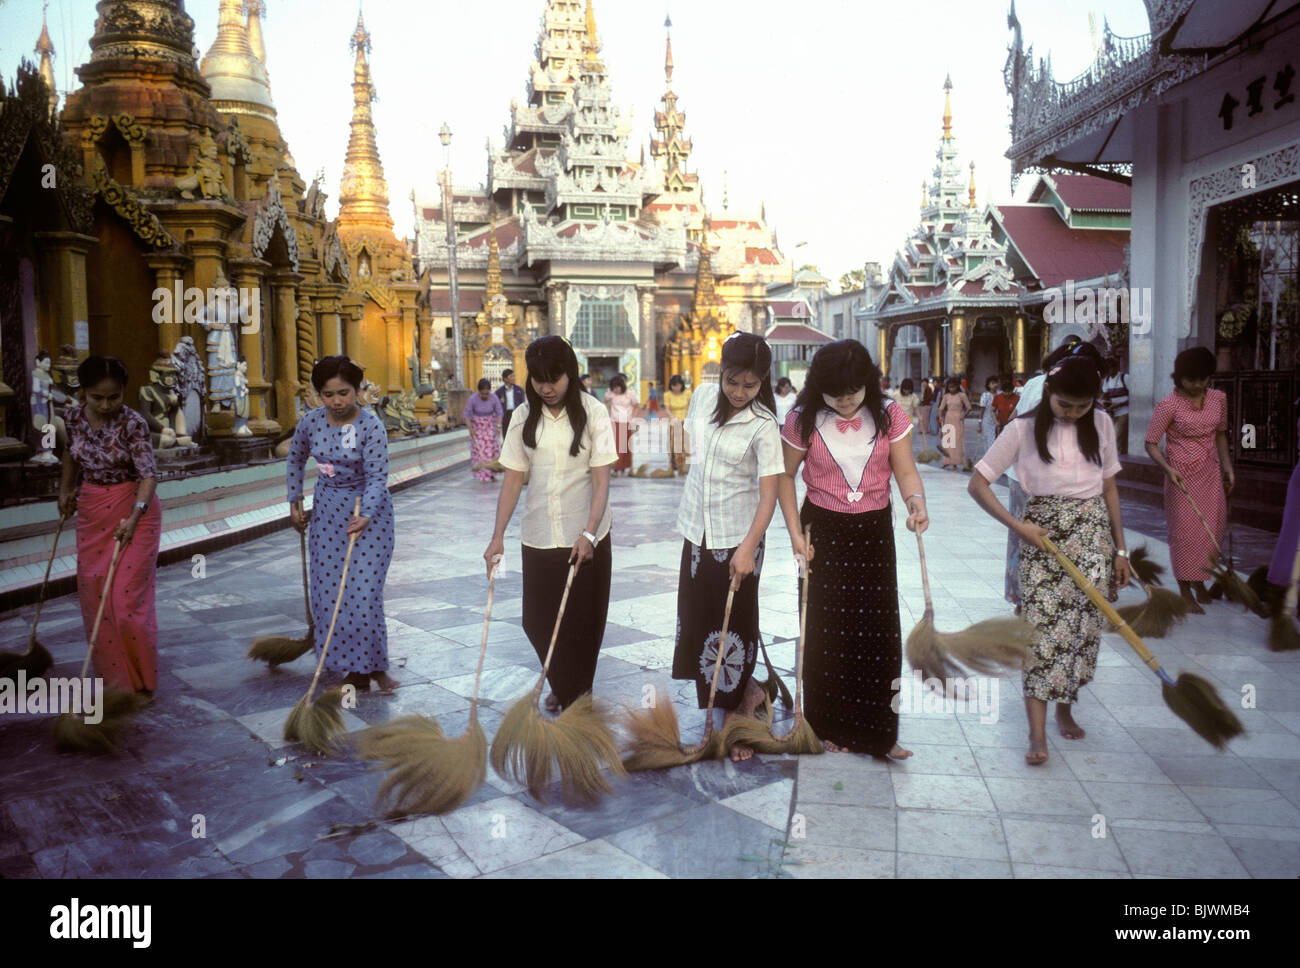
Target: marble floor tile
(593, 860)
(951, 835)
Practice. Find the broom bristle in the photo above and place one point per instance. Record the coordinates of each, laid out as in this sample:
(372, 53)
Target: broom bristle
(72, 734)
(757, 734)
(1148, 572)
(990, 645)
(927, 456)
(1257, 581)
(1236, 590)
(655, 737)
(1154, 618)
(1194, 701)
(923, 652)
(429, 772)
(521, 749)
(1283, 636)
(530, 748)
(316, 725)
(276, 650)
(36, 661)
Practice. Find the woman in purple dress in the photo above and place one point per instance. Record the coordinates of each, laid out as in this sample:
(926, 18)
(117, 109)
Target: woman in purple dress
(484, 413)
(1279, 570)
(350, 445)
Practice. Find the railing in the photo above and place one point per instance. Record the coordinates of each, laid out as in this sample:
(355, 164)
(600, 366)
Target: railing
(1262, 402)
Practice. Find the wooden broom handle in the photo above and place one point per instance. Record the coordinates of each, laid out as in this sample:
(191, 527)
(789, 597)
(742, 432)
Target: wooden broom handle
(1289, 605)
(803, 628)
(555, 633)
(482, 649)
(338, 603)
(1109, 612)
(45, 582)
(103, 600)
(925, 577)
(306, 587)
(1204, 524)
(717, 666)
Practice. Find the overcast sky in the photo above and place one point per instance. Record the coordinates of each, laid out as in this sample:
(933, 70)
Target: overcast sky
(827, 110)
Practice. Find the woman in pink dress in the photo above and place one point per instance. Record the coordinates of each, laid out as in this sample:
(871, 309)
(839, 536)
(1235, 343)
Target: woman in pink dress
(1194, 422)
(953, 407)
(622, 404)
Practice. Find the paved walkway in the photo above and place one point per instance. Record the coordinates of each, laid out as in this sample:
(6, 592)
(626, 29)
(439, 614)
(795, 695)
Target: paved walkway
(1140, 796)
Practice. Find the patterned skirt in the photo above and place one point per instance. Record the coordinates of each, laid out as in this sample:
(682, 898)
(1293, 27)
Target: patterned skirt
(853, 642)
(1190, 548)
(1012, 577)
(484, 446)
(702, 587)
(1068, 625)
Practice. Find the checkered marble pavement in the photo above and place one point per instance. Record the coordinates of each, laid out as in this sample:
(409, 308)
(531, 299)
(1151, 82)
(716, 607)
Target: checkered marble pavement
(207, 756)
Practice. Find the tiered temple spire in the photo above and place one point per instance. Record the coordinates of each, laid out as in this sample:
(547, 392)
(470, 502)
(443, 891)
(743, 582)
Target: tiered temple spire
(669, 149)
(45, 50)
(234, 69)
(947, 108)
(256, 10)
(363, 192)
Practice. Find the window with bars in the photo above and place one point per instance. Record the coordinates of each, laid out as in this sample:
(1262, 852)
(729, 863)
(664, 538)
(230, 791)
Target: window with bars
(603, 323)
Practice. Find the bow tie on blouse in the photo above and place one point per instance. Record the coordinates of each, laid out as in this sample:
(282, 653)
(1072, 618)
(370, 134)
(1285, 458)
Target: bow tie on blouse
(844, 426)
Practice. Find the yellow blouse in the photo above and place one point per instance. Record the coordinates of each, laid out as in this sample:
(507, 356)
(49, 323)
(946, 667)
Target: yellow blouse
(677, 403)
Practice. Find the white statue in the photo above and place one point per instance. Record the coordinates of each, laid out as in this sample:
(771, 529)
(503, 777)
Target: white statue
(218, 316)
(43, 415)
(241, 399)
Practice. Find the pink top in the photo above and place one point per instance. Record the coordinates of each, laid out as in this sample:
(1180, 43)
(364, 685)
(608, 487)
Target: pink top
(1070, 474)
(1190, 432)
(621, 405)
(847, 464)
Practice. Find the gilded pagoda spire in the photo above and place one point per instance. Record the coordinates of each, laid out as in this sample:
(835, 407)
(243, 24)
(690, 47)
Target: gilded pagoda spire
(972, 185)
(668, 57)
(591, 43)
(256, 10)
(493, 286)
(231, 65)
(947, 108)
(45, 50)
(363, 192)
(706, 302)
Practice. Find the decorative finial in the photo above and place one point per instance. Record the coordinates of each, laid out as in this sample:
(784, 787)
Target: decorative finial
(668, 58)
(947, 108)
(360, 37)
(724, 190)
(925, 193)
(972, 184)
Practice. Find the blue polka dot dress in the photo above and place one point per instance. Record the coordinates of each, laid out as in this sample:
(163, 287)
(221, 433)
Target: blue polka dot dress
(352, 462)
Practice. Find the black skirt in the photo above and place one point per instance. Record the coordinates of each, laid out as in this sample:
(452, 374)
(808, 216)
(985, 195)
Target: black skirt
(853, 646)
(701, 601)
(573, 667)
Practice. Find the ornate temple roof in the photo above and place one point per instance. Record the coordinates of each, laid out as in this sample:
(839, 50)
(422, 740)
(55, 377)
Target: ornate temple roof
(238, 77)
(363, 190)
(1054, 252)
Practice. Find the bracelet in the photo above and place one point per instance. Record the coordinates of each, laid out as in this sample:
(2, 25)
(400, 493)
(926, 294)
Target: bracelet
(1121, 553)
(591, 537)
(910, 496)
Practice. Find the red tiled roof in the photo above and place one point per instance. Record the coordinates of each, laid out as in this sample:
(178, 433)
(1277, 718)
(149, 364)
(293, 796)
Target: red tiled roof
(734, 224)
(763, 257)
(1055, 252)
(508, 234)
(790, 308)
(796, 333)
(1090, 192)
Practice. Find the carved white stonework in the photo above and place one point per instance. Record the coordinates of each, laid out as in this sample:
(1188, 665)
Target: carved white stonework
(606, 241)
(1275, 168)
(270, 216)
(573, 303)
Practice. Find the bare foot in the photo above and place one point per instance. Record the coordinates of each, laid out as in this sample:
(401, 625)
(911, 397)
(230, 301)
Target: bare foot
(1192, 605)
(552, 704)
(387, 684)
(1065, 721)
(753, 696)
(1037, 754)
(1202, 594)
(830, 747)
(898, 753)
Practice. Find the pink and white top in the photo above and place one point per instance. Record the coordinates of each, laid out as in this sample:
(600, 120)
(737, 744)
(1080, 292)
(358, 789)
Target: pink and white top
(847, 464)
(1070, 474)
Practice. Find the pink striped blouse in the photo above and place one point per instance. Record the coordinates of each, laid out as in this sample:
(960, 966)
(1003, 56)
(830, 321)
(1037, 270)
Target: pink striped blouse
(847, 465)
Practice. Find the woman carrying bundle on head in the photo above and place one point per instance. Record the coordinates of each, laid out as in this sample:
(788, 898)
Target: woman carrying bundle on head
(563, 437)
(111, 454)
(953, 407)
(350, 446)
(678, 401)
(622, 404)
(483, 414)
(850, 440)
(728, 502)
(1064, 453)
(1193, 420)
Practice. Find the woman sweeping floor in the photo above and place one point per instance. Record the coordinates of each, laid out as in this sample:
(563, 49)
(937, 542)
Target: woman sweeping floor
(1193, 420)
(1065, 454)
(110, 451)
(484, 413)
(350, 446)
(727, 504)
(562, 436)
(850, 441)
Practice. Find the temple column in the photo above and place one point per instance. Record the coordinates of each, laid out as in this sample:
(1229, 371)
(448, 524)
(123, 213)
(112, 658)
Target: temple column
(65, 264)
(1018, 347)
(394, 359)
(882, 353)
(308, 351)
(285, 330)
(649, 336)
(169, 275)
(331, 325)
(556, 294)
(934, 336)
(960, 358)
(352, 304)
(246, 274)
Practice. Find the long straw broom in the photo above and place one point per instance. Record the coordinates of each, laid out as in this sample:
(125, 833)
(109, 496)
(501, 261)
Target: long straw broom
(276, 650)
(37, 660)
(1224, 573)
(1191, 698)
(983, 647)
(528, 747)
(1153, 618)
(430, 772)
(760, 736)
(656, 742)
(314, 724)
(1282, 633)
(72, 734)
(773, 686)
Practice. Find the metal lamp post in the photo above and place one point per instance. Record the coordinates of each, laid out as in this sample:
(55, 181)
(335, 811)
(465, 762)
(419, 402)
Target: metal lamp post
(448, 215)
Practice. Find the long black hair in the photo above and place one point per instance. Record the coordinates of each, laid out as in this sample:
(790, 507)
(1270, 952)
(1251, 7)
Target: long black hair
(336, 366)
(547, 359)
(94, 369)
(1073, 376)
(839, 369)
(745, 353)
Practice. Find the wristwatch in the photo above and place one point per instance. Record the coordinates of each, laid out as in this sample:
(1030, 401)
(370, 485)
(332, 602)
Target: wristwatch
(1121, 552)
(141, 506)
(591, 537)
